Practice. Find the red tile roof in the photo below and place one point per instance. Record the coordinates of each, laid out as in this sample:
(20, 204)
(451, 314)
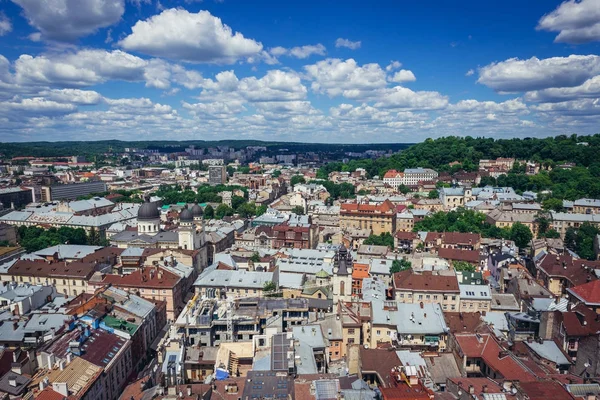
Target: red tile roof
(384, 208)
(380, 361)
(589, 292)
(406, 235)
(484, 346)
(148, 277)
(426, 281)
(544, 390)
(43, 269)
(580, 321)
(471, 256)
(460, 238)
(577, 271)
(478, 384)
(49, 394)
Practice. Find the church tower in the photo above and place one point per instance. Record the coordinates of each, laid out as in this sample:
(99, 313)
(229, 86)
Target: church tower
(342, 275)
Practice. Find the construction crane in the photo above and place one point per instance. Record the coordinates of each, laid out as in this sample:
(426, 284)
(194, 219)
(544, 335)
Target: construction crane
(231, 301)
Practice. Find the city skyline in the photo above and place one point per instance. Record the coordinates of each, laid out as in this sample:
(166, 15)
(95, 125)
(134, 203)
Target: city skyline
(152, 70)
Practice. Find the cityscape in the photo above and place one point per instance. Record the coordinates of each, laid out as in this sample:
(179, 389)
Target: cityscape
(231, 200)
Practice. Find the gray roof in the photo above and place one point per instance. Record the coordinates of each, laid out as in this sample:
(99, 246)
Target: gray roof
(310, 334)
(411, 318)
(476, 292)
(548, 350)
(75, 251)
(233, 279)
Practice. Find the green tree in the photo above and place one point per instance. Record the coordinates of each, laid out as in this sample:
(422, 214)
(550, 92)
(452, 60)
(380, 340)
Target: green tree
(383, 239)
(209, 212)
(463, 266)
(520, 234)
(237, 201)
(553, 204)
(400, 265)
(297, 179)
(223, 210)
(270, 289)
(434, 194)
(403, 189)
(298, 210)
(260, 210)
(255, 258)
(276, 173)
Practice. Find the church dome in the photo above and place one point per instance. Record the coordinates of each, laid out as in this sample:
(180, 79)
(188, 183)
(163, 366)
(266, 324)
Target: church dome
(197, 211)
(186, 215)
(148, 211)
(322, 274)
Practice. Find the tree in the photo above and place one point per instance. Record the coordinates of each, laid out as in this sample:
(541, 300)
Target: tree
(434, 194)
(520, 234)
(269, 289)
(403, 189)
(553, 204)
(223, 210)
(297, 179)
(237, 201)
(246, 210)
(400, 265)
(276, 173)
(463, 266)
(383, 239)
(298, 210)
(552, 234)
(255, 257)
(260, 210)
(209, 212)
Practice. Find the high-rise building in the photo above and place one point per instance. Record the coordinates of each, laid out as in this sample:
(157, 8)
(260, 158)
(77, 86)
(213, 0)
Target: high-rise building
(217, 174)
(72, 191)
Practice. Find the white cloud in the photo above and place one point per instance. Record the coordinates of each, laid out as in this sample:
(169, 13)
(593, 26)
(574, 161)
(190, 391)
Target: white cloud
(194, 37)
(340, 42)
(401, 97)
(336, 77)
(404, 75)
(580, 107)
(393, 65)
(36, 106)
(67, 20)
(470, 72)
(513, 106)
(5, 24)
(576, 21)
(514, 75)
(299, 51)
(83, 68)
(73, 96)
(590, 88)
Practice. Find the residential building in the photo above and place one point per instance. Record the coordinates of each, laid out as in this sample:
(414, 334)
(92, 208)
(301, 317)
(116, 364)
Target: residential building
(72, 191)
(15, 197)
(586, 206)
(379, 218)
(427, 287)
(475, 298)
(217, 174)
(412, 176)
(561, 272)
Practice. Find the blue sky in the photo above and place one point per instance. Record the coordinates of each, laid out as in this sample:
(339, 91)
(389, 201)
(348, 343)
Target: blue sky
(351, 72)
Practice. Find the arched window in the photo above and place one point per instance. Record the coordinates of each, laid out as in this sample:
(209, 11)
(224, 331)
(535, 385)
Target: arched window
(342, 288)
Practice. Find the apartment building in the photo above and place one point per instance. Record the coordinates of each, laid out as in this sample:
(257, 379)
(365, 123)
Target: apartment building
(427, 287)
(379, 218)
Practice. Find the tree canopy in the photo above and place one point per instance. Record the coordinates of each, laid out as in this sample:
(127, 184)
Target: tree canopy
(383, 239)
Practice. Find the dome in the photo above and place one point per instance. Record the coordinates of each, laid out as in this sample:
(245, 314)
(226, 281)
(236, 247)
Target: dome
(186, 215)
(148, 211)
(322, 274)
(197, 211)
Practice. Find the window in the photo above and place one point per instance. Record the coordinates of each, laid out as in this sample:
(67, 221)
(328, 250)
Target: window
(401, 295)
(351, 341)
(435, 297)
(420, 297)
(351, 331)
(427, 297)
(378, 332)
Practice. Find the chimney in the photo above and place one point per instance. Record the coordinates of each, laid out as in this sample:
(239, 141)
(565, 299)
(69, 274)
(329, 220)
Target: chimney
(12, 380)
(189, 391)
(484, 389)
(471, 389)
(421, 304)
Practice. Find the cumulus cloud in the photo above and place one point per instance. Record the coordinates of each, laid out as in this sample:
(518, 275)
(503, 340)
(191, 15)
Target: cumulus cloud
(515, 75)
(299, 51)
(194, 37)
(336, 77)
(73, 96)
(590, 88)
(67, 20)
(5, 25)
(577, 21)
(340, 42)
(470, 72)
(401, 97)
(404, 75)
(488, 107)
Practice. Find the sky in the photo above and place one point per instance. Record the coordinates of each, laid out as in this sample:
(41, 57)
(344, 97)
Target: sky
(306, 71)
